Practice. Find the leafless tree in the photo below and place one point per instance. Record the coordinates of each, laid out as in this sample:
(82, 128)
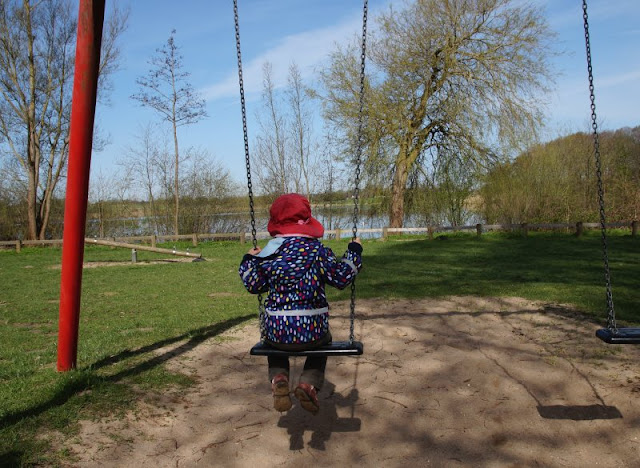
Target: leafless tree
(301, 129)
(167, 91)
(143, 162)
(285, 149)
(36, 76)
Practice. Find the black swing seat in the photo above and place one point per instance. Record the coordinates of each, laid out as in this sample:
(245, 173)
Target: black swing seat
(335, 348)
(619, 336)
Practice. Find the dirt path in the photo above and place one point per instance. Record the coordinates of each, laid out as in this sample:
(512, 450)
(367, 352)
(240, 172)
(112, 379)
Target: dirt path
(457, 382)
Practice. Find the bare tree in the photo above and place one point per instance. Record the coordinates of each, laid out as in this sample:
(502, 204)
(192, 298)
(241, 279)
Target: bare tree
(206, 184)
(167, 91)
(272, 165)
(467, 73)
(143, 162)
(103, 190)
(301, 127)
(36, 75)
(285, 147)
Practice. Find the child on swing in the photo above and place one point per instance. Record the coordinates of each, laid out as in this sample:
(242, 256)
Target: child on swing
(293, 269)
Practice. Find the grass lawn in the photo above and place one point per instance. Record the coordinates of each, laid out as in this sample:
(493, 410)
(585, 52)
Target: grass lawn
(131, 311)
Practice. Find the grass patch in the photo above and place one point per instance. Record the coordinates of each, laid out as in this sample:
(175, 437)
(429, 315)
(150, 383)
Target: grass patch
(134, 318)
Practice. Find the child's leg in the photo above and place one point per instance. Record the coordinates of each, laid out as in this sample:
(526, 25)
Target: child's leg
(278, 365)
(314, 366)
(311, 381)
(279, 378)
(313, 372)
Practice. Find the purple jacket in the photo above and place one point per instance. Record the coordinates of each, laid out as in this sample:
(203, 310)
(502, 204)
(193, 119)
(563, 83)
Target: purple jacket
(293, 271)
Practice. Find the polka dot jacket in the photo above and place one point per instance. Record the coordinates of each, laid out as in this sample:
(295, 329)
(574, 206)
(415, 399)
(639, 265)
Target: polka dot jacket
(293, 271)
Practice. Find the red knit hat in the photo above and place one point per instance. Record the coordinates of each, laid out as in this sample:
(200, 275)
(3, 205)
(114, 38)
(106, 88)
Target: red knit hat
(290, 215)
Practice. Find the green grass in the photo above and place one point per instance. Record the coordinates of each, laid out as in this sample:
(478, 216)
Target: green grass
(131, 312)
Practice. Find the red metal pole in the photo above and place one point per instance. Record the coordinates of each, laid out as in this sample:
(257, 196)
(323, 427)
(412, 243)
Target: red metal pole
(85, 84)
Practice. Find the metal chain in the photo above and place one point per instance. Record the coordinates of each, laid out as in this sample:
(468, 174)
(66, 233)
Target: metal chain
(356, 190)
(261, 311)
(611, 316)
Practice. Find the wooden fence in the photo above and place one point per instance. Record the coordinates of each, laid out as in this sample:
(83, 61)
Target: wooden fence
(524, 228)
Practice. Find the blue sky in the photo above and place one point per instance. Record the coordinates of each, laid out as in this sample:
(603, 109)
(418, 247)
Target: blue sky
(286, 31)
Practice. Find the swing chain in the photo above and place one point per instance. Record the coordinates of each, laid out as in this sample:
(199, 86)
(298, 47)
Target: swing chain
(244, 125)
(359, 145)
(611, 318)
(261, 311)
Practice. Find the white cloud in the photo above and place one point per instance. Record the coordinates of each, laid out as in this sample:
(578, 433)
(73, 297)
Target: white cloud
(306, 49)
(619, 79)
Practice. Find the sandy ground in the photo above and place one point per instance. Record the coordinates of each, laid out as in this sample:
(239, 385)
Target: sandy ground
(452, 382)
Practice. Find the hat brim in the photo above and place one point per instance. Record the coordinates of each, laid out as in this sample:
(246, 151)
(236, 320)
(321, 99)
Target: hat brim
(313, 228)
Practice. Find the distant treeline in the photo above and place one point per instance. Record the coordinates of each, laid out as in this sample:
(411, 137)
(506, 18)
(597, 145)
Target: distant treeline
(557, 181)
(550, 182)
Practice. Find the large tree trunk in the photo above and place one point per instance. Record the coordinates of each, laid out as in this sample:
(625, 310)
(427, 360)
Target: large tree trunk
(399, 185)
(405, 160)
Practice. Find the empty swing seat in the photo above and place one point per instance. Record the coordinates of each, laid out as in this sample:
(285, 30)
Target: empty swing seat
(619, 336)
(336, 348)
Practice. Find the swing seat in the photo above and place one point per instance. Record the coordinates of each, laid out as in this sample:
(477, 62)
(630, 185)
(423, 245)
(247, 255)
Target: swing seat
(335, 348)
(619, 336)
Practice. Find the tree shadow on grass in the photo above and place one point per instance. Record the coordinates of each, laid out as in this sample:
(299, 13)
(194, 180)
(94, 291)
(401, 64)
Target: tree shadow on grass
(85, 379)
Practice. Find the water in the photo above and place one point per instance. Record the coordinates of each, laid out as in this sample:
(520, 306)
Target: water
(336, 217)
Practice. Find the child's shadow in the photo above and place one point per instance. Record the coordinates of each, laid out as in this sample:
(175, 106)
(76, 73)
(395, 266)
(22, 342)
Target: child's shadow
(323, 424)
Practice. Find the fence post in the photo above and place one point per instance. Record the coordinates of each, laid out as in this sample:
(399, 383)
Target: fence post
(525, 229)
(479, 229)
(18, 246)
(338, 234)
(243, 237)
(634, 228)
(385, 233)
(579, 228)
(194, 239)
(154, 240)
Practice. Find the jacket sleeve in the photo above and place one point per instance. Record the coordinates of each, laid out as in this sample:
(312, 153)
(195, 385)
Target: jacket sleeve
(253, 277)
(340, 273)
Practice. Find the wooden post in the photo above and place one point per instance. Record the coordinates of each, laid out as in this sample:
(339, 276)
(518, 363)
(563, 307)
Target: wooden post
(634, 228)
(338, 234)
(243, 237)
(525, 229)
(385, 233)
(18, 246)
(194, 239)
(430, 231)
(579, 228)
(479, 229)
(154, 240)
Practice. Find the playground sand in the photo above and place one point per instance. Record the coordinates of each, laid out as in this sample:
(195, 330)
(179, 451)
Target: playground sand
(460, 381)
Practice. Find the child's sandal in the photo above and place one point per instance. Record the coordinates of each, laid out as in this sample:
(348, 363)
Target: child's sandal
(280, 390)
(308, 397)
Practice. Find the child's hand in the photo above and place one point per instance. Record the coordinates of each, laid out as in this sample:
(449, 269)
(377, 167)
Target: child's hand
(357, 240)
(254, 251)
